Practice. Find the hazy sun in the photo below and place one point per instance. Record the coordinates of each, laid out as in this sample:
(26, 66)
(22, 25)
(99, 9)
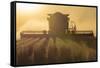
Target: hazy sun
(28, 7)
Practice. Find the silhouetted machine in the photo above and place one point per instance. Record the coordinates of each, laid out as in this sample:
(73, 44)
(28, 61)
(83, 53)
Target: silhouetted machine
(58, 23)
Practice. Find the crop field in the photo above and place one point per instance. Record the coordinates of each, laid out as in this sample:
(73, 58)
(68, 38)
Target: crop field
(46, 50)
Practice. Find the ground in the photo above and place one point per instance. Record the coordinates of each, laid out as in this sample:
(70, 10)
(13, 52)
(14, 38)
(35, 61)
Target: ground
(45, 50)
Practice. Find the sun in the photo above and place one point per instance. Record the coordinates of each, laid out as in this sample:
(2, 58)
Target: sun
(28, 7)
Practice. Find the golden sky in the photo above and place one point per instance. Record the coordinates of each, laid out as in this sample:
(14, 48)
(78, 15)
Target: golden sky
(33, 17)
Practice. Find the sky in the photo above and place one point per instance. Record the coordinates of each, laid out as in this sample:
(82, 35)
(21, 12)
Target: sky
(33, 17)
